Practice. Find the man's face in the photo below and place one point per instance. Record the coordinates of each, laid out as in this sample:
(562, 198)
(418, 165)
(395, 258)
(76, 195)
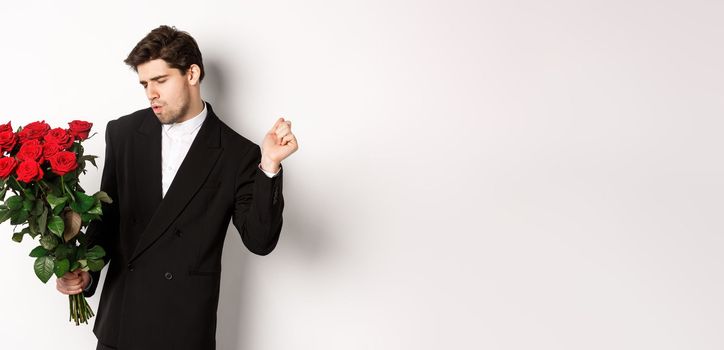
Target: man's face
(167, 90)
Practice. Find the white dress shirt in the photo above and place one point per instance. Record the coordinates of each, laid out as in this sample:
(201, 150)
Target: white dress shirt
(176, 140)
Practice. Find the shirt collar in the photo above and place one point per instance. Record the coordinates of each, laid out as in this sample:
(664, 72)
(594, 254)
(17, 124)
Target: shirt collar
(188, 126)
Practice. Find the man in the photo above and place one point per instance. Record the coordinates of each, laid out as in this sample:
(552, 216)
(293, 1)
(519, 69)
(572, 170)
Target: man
(177, 175)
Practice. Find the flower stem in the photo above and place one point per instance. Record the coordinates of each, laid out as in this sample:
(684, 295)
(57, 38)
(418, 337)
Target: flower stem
(80, 310)
(42, 183)
(17, 183)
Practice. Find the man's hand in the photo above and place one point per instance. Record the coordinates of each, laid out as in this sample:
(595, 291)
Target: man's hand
(73, 282)
(279, 143)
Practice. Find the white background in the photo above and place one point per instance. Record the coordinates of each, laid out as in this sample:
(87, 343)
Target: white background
(471, 174)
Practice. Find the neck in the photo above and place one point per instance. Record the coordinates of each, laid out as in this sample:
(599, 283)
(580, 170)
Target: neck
(195, 107)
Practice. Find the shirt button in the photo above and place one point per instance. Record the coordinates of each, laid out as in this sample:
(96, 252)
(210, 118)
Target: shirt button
(168, 275)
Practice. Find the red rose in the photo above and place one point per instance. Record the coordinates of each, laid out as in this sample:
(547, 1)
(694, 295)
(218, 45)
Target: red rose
(7, 165)
(63, 162)
(7, 141)
(6, 127)
(33, 131)
(80, 129)
(29, 171)
(31, 150)
(59, 136)
(50, 149)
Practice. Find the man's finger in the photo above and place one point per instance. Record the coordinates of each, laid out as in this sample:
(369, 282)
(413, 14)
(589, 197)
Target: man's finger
(286, 139)
(70, 277)
(276, 125)
(69, 282)
(283, 127)
(70, 285)
(283, 132)
(285, 124)
(68, 291)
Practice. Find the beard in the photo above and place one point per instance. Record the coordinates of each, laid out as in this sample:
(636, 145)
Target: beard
(169, 115)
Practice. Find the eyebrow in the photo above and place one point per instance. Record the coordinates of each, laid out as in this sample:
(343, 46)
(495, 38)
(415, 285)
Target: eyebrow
(154, 78)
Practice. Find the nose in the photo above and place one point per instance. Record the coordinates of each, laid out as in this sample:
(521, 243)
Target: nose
(151, 92)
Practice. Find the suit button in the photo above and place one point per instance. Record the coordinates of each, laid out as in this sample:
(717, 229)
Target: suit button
(130, 267)
(168, 275)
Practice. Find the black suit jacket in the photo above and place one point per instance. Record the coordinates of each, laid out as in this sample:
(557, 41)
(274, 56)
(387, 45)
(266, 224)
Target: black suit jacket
(162, 286)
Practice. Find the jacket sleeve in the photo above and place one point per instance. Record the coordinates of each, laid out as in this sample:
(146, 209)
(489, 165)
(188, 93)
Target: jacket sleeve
(105, 232)
(258, 204)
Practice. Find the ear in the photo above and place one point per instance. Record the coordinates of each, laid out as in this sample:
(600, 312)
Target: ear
(193, 74)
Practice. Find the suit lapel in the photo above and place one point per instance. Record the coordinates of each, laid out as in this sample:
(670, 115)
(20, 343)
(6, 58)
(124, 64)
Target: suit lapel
(200, 159)
(147, 148)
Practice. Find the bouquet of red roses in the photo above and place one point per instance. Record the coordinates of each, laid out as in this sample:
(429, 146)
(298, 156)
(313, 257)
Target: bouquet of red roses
(40, 167)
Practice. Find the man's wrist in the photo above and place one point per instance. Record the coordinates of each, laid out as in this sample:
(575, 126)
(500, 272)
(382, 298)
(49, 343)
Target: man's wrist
(268, 173)
(87, 288)
(269, 166)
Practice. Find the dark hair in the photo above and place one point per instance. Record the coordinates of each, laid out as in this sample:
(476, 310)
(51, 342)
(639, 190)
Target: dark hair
(175, 47)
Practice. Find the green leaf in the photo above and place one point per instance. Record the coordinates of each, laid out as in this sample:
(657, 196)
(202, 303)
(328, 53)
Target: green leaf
(96, 209)
(54, 186)
(18, 236)
(33, 225)
(70, 178)
(61, 267)
(57, 210)
(38, 252)
(74, 266)
(44, 266)
(2, 192)
(63, 251)
(38, 208)
(95, 265)
(19, 217)
(86, 218)
(83, 264)
(14, 202)
(55, 201)
(80, 253)
(49, 242)
(5, 215)
(43, 220)
(94, 253)
(14, 185)
(82, 203)
(56, 225)
(91, 159)
(103, 197)
(28, 204)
